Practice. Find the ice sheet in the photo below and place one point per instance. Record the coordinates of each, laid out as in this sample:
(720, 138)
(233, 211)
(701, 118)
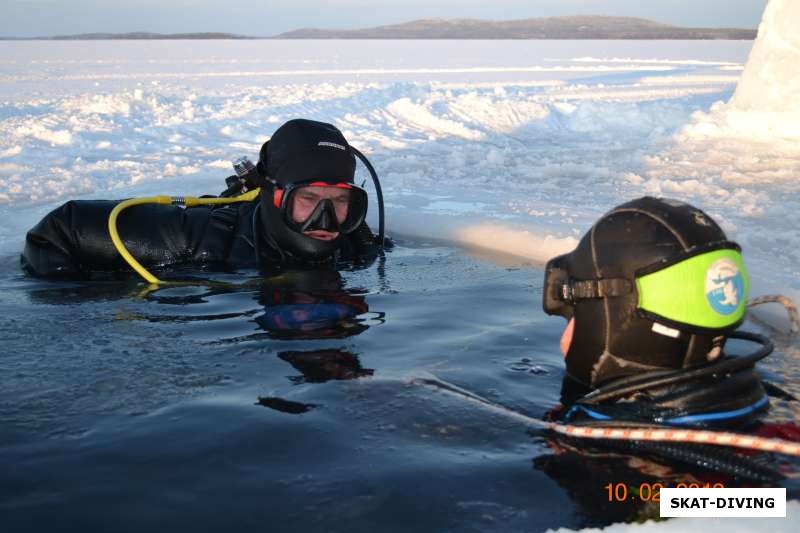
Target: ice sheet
(512, 145)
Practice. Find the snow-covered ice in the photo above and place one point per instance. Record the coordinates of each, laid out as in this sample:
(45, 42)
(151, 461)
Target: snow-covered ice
(512, 145)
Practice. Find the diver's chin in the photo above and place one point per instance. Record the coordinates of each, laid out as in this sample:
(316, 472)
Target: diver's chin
(321, 235)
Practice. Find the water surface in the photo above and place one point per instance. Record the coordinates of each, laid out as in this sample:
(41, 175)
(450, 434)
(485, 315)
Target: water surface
(287, 404)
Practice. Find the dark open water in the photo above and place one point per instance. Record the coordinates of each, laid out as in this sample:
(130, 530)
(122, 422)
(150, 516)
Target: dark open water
(286, 405)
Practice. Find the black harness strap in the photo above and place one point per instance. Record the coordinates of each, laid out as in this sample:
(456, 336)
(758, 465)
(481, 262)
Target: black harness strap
(594, 288)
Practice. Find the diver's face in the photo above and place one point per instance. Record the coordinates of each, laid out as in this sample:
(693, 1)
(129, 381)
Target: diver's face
(305, 200)
(566, 337)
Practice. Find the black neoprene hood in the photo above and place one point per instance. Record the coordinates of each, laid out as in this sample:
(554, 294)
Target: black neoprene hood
(302, 150)
(612, 338)
(299, 151)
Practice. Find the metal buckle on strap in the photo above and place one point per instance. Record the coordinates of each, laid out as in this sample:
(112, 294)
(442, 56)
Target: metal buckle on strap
(594, 288)
(567, 293)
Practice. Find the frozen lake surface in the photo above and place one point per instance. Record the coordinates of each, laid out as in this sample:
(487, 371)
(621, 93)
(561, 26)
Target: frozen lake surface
(517, 145)
(183, 409)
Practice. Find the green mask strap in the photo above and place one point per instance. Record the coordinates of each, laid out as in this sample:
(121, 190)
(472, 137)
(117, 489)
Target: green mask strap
(705, 292)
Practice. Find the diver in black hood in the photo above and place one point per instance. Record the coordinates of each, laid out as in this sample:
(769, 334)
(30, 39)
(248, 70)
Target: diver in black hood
(309, 211)
(309, 203)
(652, 293)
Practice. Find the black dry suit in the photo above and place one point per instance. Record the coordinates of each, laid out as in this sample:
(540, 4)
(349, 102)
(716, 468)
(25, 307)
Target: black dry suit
(73, 241)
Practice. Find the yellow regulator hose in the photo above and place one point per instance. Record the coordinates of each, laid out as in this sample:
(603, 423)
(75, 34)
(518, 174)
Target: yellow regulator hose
(188, 201)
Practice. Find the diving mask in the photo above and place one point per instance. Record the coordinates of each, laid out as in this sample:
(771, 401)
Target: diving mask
(320, 205)
(702, 290)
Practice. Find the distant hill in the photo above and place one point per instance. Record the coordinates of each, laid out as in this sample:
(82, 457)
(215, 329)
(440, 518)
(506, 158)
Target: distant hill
(574, 27)
(143, 35)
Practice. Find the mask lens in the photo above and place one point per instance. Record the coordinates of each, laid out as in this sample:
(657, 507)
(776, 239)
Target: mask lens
(333, 207)
(302, 202)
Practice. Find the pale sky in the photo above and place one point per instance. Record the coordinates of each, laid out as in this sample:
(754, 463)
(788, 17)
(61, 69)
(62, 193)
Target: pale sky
(261, 18)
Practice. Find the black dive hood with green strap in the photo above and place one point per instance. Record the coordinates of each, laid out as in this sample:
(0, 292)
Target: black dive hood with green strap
(655, 290)
(654, 285)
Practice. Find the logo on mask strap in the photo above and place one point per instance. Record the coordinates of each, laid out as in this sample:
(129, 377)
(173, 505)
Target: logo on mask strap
(332, 145)
(724, 286)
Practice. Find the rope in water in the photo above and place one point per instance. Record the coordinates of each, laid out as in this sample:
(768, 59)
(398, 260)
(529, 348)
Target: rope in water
(791, 308)
(693, 436)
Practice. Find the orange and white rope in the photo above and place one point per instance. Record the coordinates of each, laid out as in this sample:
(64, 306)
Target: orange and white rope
(688, 436)
(693, 436)
(787, 303)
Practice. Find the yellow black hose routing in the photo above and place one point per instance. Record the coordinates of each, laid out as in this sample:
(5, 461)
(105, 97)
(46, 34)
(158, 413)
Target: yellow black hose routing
(188, 201)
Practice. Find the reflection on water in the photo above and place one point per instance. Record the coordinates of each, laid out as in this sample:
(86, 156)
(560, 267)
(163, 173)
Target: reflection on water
(294, 305)
(285, 406)
(319, 366)
(309, 304)
(316, 366)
